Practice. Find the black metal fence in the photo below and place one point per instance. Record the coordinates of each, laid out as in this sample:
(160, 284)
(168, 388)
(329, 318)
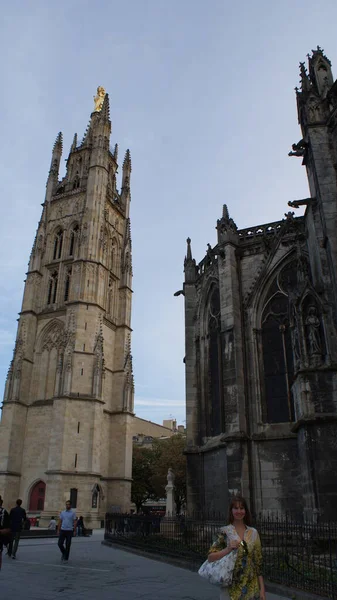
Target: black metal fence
(298, 555)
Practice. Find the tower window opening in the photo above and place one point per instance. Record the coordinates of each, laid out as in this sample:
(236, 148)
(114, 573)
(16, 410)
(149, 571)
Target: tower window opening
(67, 285)
(85, 326)
(58, 242)
(81, 371)
(52, 288)
(78, 427)
(75, 461)
(73, 237)
(50, 291)
(73, 496)
(83, 347)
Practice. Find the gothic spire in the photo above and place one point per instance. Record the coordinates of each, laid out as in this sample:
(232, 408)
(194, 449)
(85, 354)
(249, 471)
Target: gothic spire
(227, 228)
(225, 213)
(190, 268)
(54, 166)
(74, 144)
(87, 135)
(58, 145)
(116, 152)
(126, 170)
(127, 160)
(105, 112)
(304, 78)
(189, 249)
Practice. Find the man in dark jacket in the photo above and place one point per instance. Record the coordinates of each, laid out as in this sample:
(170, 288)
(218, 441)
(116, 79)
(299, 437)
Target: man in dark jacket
(5, 532)
(17, 517)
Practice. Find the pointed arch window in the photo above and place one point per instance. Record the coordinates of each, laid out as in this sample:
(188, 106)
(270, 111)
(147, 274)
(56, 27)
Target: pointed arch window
(110, 295)
(73, 239)
(58, 242)
(277, 357)
(216, 417)
(113, 256)
(67, 284)
(52, 288)
(95, 496)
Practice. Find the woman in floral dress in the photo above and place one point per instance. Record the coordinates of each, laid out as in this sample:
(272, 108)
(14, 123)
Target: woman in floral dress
(247, 581)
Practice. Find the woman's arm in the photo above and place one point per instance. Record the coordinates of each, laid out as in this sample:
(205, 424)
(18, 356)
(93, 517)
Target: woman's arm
(216, 553)
(262, 588)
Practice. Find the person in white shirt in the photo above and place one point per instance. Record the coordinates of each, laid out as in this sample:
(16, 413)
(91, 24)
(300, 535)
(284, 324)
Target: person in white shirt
(66, 529)
(52, 524)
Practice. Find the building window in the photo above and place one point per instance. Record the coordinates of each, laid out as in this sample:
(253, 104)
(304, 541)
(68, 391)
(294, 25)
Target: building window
(95, 497)
(73, 497)
(215, 392)
(67, 285)
(73, 238)
(278, 364)
(58, 241)
(52, 288)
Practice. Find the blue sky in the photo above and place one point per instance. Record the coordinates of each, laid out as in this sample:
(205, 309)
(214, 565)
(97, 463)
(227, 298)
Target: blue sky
(201, 93)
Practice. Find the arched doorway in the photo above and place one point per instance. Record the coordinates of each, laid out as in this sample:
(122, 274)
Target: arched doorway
(37, 495)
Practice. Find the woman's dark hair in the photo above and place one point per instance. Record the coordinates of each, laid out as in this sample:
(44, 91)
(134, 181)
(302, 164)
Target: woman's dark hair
(239, 500)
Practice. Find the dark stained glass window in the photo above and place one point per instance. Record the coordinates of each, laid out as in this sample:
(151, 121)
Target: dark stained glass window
(277, 360)
(215, 409)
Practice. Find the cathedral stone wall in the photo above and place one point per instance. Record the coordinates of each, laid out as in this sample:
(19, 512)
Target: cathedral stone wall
(260, 340)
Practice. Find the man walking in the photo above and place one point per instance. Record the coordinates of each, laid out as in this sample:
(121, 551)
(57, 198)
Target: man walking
(17, 517)
(66, 528)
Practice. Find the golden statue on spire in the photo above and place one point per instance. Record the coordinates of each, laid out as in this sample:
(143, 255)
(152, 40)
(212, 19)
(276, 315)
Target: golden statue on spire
(99, 98)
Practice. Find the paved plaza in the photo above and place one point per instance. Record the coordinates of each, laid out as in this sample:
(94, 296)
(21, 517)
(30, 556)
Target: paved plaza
(95, 572)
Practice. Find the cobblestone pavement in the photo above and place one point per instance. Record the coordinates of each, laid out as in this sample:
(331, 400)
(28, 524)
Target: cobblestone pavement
(96, 572)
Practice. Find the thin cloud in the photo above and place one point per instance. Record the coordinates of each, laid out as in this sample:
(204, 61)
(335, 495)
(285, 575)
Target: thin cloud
(158, 402)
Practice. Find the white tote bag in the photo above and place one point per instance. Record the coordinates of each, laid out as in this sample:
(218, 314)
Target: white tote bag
(219, 572)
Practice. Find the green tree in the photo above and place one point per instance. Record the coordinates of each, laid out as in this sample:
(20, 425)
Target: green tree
(142, 473)
(170, 453)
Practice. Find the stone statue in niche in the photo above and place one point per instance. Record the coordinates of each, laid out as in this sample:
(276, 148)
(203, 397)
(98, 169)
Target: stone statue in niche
(295, 341)
(296, 347)
(313, 324)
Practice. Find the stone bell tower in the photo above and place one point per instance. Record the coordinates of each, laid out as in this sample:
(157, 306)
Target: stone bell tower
(68, 405)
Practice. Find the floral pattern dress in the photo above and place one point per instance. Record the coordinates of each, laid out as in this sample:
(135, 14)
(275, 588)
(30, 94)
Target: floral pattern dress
(248, 565)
